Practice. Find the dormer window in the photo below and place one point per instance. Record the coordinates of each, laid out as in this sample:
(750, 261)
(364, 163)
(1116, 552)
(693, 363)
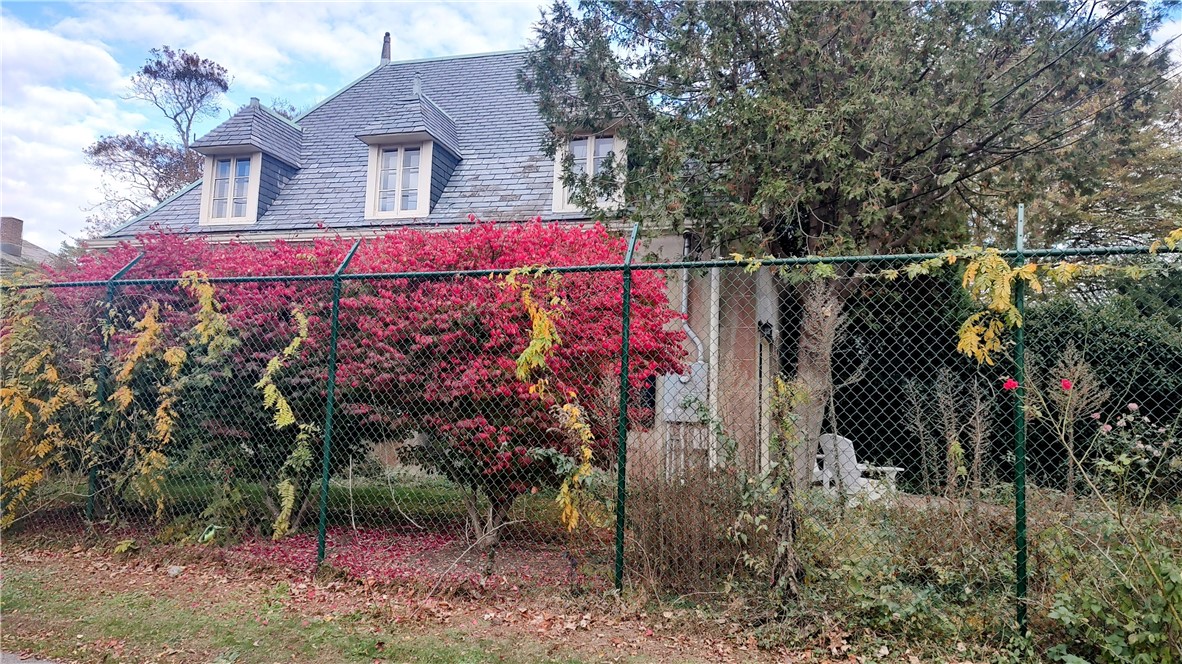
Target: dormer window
(399, 182)
(589, 155)
(231, 191)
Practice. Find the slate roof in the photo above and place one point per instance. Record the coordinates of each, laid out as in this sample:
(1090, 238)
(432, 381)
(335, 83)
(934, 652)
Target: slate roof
(31, 258)
(503, 174)
(257, 127)
(418, 114)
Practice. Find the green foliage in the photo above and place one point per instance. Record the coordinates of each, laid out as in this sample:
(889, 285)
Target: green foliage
(1134, 199)
(834, 128)
(1123, 614)
(1137, 458)
(1124, 347)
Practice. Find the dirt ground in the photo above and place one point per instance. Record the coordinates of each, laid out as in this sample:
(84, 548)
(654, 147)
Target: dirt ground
(205, 585)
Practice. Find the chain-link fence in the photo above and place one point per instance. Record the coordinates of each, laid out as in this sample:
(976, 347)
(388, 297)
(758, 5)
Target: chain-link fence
(845, 431)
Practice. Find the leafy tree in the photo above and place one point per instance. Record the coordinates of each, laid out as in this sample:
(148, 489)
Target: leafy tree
(1132, 198)
(144, 169)
(183, 85)
(840, 128)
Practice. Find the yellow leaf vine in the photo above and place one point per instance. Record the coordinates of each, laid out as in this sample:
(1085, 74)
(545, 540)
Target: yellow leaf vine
(990, 280)
(572, 499)
(297, 462)
(543, 333)
(33, 400)
(211, 330)
(300, 458)
(272, 397)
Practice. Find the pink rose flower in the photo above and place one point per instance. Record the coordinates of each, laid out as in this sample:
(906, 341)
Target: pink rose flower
(1133, 407)
(1065, 384)
(1010, 385)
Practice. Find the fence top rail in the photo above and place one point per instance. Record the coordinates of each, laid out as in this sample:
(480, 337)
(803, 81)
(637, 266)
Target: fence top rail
(610, 267)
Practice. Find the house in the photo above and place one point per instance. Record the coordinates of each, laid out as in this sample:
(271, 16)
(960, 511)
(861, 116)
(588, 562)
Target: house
(423, 142)
(18, 255)
(428, 142)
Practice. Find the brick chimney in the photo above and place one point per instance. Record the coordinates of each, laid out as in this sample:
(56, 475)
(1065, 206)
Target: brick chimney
(12, 231)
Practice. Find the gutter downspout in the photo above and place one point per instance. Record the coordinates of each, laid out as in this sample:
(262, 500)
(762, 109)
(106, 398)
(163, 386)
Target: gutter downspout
(685, 277)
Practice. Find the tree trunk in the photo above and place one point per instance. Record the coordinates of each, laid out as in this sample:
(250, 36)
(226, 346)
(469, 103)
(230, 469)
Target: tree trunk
(311, 493)
(486, 527)
(787, 572)
(821, 305)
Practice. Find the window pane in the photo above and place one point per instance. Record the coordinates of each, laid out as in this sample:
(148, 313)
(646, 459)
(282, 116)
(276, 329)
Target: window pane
(222, 169)
(240, 187)
(219, 208)
(578, 150)
(390, 158)
(410, 177)
(220, 187)
(603, 147)
(410, 199)
(388, 180)
(242, 168)
(386, 202)
(239, 207)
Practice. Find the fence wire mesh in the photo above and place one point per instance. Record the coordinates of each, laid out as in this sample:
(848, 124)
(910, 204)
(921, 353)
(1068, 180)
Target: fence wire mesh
(474, 431)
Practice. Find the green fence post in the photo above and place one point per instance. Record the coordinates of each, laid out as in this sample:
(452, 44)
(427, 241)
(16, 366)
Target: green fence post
(622, 423)
(1020, 433)
(104, 375)
(330, 397)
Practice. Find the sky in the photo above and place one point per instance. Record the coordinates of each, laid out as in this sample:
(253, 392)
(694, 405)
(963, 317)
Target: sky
(65, 68)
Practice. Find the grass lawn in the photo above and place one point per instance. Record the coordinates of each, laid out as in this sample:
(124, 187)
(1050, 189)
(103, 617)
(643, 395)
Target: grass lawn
(48, 615)
(89, 605)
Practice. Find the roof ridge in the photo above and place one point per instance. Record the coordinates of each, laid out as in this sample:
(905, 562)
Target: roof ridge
(278, 116)
(462, 56)
(424, 97)
(380, 67)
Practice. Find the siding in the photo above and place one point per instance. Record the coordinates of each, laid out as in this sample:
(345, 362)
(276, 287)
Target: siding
(274, 174)
(443, 164)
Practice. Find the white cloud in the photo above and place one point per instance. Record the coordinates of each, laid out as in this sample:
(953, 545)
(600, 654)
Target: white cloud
(62, 82)
(270, 47)
(40, 56)
(44, 178)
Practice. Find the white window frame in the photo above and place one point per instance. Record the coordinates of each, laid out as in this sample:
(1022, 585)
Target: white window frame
(562, 193)
(372, 182)
(252, 190)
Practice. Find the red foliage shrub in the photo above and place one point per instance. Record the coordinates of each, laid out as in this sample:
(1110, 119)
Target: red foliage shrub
(433, 355)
